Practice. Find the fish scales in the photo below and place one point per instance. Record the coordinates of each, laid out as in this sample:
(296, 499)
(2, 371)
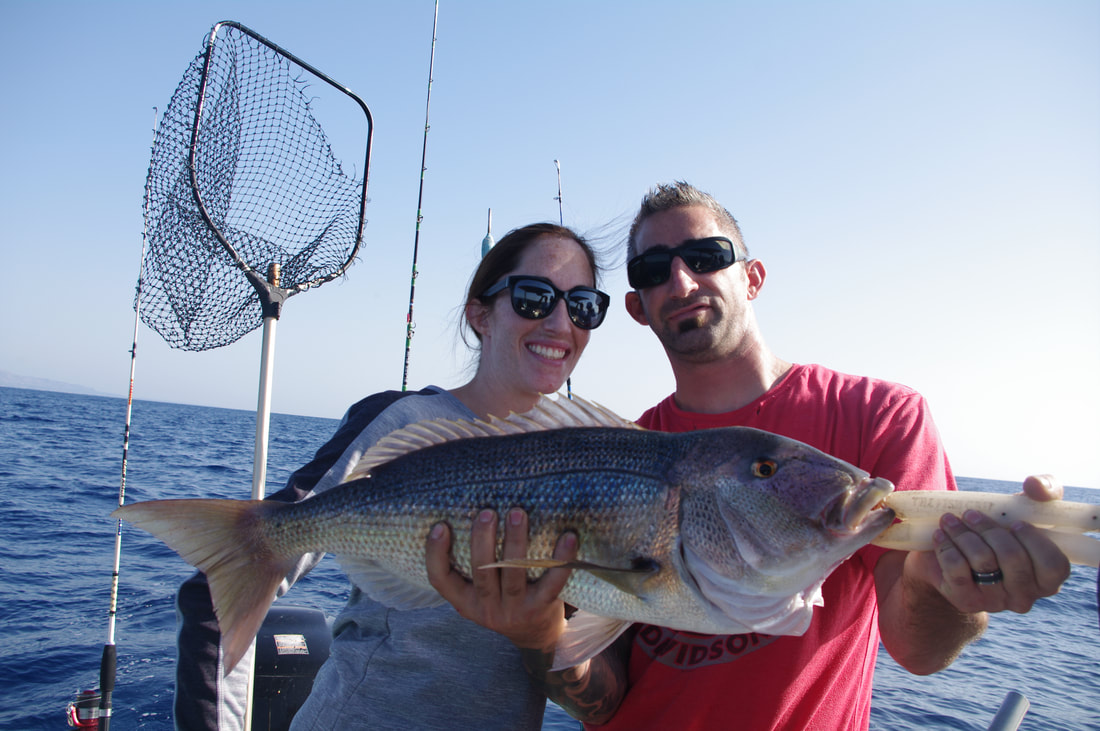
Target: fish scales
(608, 485)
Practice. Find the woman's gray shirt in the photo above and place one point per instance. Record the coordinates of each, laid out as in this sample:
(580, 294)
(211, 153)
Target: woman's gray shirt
(418, 669)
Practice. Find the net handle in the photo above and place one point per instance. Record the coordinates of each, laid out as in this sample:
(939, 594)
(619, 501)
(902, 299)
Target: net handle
(272, 296)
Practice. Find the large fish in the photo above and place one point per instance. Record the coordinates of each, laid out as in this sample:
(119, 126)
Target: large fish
(721, 531)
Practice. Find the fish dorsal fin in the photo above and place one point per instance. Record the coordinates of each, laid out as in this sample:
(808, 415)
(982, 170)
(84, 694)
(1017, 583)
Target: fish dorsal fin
(547, 414)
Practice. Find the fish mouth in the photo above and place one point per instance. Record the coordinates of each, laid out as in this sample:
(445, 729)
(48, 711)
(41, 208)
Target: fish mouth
(861, 508)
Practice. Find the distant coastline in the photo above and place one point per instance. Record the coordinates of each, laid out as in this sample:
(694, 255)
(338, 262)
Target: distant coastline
(14, 380)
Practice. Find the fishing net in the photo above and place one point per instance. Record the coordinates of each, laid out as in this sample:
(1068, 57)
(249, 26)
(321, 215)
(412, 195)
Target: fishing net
(243, 183)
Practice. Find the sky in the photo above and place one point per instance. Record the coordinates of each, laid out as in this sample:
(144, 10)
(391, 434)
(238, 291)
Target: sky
(921, 179)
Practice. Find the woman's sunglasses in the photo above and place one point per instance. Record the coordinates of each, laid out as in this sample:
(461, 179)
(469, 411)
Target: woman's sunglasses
(701, 256)
(535, 297)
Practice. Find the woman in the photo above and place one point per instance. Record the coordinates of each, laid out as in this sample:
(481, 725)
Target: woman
(531, 305)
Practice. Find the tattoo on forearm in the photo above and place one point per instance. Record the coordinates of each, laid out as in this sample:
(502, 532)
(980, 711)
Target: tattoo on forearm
(590, 692)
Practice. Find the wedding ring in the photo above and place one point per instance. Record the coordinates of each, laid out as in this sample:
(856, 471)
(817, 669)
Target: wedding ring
(987, 577)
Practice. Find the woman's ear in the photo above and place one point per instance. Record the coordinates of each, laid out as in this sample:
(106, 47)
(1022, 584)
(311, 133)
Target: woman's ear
(477, 315)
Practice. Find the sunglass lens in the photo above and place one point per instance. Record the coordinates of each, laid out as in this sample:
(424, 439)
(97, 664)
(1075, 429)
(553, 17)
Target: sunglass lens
(586, 308)
(649, 269)
(708, 255)
(532, 299)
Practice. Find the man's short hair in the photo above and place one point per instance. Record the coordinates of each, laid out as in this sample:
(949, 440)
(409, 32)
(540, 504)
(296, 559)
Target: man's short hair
(667, 196)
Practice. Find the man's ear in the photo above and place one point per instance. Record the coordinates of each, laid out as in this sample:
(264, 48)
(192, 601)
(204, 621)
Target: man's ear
(756, 272)
(635, 308)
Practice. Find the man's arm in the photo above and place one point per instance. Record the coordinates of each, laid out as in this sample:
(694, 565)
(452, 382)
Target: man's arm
(529, 614)
(930, 606)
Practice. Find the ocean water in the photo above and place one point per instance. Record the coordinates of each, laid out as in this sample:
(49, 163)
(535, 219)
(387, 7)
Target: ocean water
(60, 465)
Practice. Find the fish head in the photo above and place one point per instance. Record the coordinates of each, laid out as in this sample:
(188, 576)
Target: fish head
(765, 519)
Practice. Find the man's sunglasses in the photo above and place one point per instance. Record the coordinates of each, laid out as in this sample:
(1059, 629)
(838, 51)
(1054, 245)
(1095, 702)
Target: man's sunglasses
(701, 256)
(535, 297)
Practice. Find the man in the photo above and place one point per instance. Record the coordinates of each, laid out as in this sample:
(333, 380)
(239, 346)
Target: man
(694, 286)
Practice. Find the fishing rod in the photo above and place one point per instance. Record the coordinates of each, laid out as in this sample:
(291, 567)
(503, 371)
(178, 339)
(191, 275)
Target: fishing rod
(109, 662)
(107, 666)
(561, 222)
(409, 327)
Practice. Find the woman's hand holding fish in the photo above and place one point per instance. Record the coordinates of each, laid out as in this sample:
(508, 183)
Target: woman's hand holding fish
(501, 599)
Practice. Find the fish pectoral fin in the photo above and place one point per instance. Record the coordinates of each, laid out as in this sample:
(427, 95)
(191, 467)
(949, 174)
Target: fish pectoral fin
(628, 579)
(386, 588)
(531, 563)
(586, 635)
(553, 563)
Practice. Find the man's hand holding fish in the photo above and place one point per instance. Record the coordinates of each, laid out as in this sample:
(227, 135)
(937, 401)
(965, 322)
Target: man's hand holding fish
(932, 603)
(980, 565)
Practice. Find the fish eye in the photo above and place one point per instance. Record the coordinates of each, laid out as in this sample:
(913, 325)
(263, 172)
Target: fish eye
(764, 467)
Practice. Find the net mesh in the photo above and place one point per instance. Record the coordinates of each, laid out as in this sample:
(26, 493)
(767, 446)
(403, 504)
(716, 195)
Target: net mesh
(270, 183)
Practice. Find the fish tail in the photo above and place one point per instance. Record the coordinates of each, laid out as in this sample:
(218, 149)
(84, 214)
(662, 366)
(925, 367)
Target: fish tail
(225, 540)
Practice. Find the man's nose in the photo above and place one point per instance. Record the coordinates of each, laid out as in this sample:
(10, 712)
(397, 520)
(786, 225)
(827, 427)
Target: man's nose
(681, 278)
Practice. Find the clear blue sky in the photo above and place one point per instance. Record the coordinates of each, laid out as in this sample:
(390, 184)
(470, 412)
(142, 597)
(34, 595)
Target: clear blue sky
(922, 180)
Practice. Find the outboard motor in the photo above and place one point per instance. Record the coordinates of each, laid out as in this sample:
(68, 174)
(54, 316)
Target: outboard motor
(291, 646)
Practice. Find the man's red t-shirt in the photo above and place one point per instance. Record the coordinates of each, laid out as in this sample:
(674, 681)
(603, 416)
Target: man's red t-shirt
(821, 680)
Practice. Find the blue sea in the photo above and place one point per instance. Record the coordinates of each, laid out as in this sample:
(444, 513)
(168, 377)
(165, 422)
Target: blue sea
(60, 468)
